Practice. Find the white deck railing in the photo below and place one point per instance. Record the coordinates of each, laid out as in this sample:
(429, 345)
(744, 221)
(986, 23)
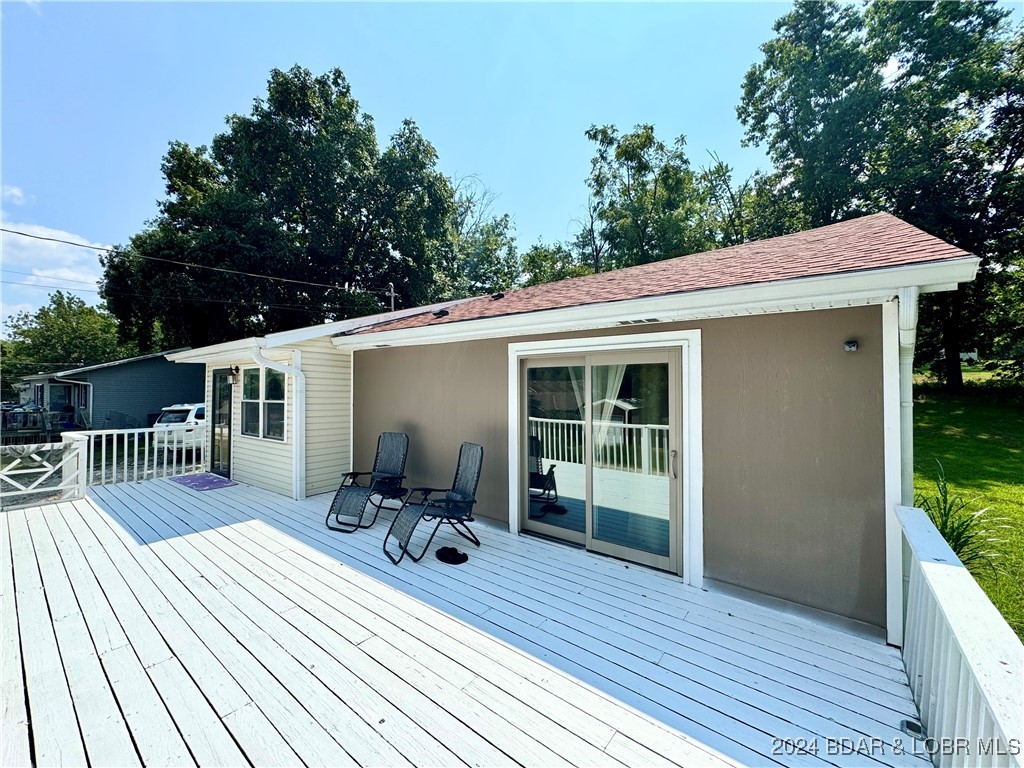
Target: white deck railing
(639, 448)
(131, 455)
(60, 471)
(48, 471)
(965, 664)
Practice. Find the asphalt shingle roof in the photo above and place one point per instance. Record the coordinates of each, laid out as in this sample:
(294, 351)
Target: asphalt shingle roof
(870, 242)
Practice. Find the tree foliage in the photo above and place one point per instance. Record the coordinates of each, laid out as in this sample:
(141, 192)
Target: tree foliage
(910, 108)
(66, 333)
(646, 196)
(298, 189)
(485, 257)
(548, 263)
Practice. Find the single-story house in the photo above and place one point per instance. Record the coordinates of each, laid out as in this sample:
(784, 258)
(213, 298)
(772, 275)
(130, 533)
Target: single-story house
(776, 435)
(118, 394)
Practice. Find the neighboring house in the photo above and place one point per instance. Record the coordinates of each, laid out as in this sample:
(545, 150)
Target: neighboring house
(118, 394)
(775, 431)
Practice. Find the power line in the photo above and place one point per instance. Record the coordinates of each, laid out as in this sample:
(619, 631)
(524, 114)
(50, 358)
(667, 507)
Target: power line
(178, 263)
(162, 297)
(51, 277)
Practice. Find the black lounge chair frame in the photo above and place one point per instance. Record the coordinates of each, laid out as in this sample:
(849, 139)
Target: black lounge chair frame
(542, 486)
(455, 509)
(352, 498)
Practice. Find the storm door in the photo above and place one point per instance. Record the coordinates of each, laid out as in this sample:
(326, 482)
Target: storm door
(219, 424)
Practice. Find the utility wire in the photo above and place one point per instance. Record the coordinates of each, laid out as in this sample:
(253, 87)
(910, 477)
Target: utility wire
(180, 298)
(51, 277)
(180, 263)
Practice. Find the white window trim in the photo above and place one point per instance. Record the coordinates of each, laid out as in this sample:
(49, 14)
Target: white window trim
(689, 344)
(262, 401)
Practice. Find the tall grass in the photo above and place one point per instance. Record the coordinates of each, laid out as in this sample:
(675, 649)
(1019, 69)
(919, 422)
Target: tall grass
(979, 438)
(969, 533)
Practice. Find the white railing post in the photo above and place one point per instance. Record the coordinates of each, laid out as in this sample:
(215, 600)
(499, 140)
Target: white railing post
(964, 662)
(645, 459)
(80, 445)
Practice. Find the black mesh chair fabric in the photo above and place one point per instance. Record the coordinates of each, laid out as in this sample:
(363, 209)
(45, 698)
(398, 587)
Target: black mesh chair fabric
(353, 500)
(455, 508)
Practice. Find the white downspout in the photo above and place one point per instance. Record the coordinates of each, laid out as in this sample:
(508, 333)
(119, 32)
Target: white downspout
(908, 338)
(298, 417)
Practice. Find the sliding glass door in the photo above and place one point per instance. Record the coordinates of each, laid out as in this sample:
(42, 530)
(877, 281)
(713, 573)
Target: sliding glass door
(602, 453)
(556, 449)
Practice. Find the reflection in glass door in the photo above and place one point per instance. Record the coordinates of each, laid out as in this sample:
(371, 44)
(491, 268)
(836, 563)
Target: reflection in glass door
(632, 494)
(601, 453)
(555, 450)
(220, 424)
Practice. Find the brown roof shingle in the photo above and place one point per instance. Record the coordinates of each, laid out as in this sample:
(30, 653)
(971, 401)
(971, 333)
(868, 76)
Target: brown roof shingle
(870, 242)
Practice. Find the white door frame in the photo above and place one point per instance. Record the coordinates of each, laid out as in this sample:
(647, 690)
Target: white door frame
(689, 344)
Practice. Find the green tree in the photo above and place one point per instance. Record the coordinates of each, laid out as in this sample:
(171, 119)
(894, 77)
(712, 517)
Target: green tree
(589, 245)
(548, 263)
(489, 258)
(484, 257)
(66, 333)
(646, 197)
(814, 101)
(298, 189)
(905, 108)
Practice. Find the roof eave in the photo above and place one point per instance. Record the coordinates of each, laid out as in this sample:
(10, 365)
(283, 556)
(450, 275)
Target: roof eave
(227, 351)
(862, 287)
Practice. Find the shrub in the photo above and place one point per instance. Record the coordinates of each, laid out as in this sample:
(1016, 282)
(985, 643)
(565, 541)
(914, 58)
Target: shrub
(968, 533)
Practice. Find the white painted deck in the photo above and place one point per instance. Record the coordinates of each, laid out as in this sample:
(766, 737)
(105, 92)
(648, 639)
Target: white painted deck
(151, 624)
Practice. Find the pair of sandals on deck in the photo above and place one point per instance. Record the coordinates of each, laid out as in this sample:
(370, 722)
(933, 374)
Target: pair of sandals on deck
(352, 504)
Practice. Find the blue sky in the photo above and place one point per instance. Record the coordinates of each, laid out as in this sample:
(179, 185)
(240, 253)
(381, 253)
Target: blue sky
(93, 92)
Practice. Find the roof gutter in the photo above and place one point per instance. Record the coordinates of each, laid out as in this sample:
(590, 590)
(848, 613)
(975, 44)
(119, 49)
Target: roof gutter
(227, 352)
(298, 416)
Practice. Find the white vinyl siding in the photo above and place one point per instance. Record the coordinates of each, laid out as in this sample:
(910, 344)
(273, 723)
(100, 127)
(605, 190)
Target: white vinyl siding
(254, 460)
(328, 413)
(268, 463)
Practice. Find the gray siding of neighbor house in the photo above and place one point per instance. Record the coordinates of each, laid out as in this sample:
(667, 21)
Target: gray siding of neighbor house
(793, 462)
(141, 388)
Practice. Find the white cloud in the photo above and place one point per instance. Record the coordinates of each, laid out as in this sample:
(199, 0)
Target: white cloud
(32, 269)
(6, 310)
(13, 195)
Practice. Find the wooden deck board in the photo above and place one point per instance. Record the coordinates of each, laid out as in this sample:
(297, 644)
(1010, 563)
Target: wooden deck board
(189, 623)
(104, 731)
(14, 746)
(55, 733)
(252, 634)
(824, 727)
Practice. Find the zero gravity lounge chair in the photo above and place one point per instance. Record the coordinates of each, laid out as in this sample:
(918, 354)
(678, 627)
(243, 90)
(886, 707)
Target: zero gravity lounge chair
(542, 487)
(454, 508)
(349, 507)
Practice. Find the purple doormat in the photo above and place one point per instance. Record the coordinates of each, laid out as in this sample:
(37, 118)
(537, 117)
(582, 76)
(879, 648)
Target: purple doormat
(204, 482)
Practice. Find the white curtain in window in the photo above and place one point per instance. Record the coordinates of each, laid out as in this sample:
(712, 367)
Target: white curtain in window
(606, 382)
(576, 376)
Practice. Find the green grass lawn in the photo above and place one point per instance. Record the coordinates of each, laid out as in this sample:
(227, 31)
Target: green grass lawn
(980, 441)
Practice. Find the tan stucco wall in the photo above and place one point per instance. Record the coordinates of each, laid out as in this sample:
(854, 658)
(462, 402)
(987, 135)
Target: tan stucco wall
(793, 473)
